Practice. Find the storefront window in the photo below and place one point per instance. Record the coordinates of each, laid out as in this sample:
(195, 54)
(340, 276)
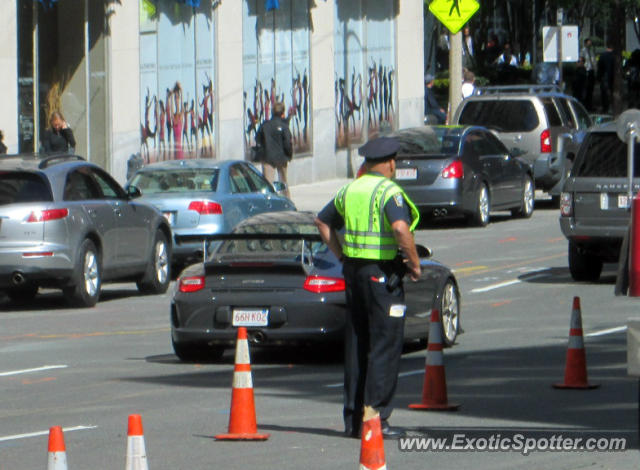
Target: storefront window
(365, 69)
(176, 81)
(277, 68)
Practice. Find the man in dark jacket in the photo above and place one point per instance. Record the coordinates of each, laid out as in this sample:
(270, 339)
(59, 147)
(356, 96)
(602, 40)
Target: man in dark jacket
(606, 67)
(275, 138)
(433, 112)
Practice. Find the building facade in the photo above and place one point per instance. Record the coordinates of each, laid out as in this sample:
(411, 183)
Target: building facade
(173, 79)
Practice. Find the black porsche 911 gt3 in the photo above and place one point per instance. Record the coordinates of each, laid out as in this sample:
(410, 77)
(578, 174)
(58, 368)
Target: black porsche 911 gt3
(275, 276)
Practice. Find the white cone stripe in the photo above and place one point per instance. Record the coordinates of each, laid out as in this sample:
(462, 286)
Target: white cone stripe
(576, 342)
(136, 454)
(242, 380)
(242, 352)
(434, 358)
(57, 461)
(576, 319)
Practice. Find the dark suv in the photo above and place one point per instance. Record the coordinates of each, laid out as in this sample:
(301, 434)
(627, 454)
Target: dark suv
(594, 203)
(540, 120)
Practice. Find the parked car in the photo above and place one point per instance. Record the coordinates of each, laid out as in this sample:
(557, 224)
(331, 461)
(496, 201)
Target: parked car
(594, 214)
(206, 196)
(544, 123)
(462, 170)
(274, 275)
(66, 223)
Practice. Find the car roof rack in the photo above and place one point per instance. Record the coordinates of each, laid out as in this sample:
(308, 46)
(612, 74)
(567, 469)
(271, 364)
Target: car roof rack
(53, 159)
(506, 89)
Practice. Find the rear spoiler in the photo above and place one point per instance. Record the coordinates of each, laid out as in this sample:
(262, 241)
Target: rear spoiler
(306, 256)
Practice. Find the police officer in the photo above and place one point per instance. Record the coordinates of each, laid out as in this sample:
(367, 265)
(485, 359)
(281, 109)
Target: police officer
(378, 218)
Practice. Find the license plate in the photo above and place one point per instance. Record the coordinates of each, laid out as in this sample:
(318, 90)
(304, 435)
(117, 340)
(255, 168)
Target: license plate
(604, 201)
(171, 217)
(406, 174)
(623, 201)
(250, 317)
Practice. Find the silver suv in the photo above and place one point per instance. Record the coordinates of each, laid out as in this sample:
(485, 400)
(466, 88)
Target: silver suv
(594, 203)
(539, 120)
(66, 223)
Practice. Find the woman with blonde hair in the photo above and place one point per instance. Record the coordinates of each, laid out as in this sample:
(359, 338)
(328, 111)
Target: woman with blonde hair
(59, 137)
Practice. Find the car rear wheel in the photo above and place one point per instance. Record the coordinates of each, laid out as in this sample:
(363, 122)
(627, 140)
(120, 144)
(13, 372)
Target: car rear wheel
(450, 312)
(157, 276)
(526, 203)
(584, 266)
(23, 294)
(193, 352)
(480, 217)
(87, 277)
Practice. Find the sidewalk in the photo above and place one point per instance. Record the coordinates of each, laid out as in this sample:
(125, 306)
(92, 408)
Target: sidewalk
(314, 196)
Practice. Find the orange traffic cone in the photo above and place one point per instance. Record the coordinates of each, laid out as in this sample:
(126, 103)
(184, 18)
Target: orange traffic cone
(136, 453)
(242, 420)
(575, 373)
(57, 459)
(434, 390)
(371, 443)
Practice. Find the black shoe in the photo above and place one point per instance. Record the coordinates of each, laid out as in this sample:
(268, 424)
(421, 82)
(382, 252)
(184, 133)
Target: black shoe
(350, 432)
(390, 432)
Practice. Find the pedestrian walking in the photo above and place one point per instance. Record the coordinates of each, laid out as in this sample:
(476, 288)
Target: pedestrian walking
(590, 66)
(59, 137)
(275, 138)
(3, 147)
(378, 218)
(606, 66)
(468, 83)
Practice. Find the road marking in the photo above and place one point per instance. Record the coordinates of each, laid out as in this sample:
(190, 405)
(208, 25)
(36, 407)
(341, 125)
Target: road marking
(608, 331)
(28, 371)
(43, 433)
(515, 265)
(470, 269)
(496, 286)
(86, 335)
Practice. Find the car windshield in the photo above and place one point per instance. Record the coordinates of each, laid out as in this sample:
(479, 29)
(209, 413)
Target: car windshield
(16, 187)
(256, 249)
(501, 115)
(430, 141)
(604, 155)
(176, 180)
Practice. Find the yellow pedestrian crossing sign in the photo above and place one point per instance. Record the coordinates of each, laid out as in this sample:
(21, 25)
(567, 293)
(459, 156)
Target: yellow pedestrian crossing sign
(454, 14)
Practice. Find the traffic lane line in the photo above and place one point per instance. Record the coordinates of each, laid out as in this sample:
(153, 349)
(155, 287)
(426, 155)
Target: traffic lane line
(84, 335)
(608, 331)
(467, 272)
(525, 277)
(15, 437)
(32, 370)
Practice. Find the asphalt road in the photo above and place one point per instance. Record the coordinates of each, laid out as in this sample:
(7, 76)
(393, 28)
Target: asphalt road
(88, 369)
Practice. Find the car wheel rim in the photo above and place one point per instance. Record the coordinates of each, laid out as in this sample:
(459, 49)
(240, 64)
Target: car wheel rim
(162, 262)
(450, 312)
(483, 205)
(528, 198)
(91, 275)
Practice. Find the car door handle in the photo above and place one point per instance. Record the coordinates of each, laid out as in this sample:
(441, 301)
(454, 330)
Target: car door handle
(518, 138)
(92, 213)
(252, 208)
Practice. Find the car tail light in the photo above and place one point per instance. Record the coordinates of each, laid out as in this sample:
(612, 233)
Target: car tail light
(545, 141)
(453, 170)
(205, 207)
(191, 284)
(49, 214)
(37, 254)
(566, 204)
(321, 284)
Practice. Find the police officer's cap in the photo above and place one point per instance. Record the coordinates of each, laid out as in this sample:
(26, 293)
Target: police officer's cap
(380, 149)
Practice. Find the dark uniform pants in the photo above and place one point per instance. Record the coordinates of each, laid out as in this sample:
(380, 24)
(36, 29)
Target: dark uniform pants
(374, 333)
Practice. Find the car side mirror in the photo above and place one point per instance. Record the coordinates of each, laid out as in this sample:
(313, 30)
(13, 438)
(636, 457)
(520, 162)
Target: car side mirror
(133, 192)
(423, 251)
(517, 152)
(279, 187)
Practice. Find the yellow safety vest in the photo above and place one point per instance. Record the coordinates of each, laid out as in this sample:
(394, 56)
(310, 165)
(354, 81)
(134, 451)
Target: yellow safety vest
(368, 233)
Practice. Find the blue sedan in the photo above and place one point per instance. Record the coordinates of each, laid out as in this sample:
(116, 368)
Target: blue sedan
(206, 197)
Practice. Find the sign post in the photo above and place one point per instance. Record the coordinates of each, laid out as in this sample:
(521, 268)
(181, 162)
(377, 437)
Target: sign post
(454, 14)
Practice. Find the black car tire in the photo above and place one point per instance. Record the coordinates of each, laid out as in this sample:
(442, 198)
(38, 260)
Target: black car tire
(480, 217)
(87, 277)
(527, 198)
(23, 294)
(157, 276)
(584, 266)
(449, 312)
(193, 352)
